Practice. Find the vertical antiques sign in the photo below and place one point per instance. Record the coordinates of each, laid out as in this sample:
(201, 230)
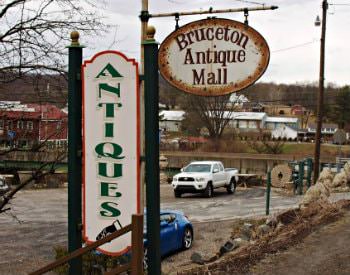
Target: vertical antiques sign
(111, 187)
(213, 57)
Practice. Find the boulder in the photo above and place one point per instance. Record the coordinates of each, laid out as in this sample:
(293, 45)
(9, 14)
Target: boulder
(347, 171)
(271, 221)
(263, 230)
(228, 246)
(197, 258)
(319, 191)
(340, 180)
(239, 242)
(246, 231)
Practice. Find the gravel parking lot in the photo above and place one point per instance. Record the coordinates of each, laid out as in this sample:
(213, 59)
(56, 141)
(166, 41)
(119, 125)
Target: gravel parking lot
(38, 222)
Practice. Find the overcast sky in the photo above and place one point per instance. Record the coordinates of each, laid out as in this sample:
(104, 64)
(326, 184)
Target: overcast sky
(293, 39)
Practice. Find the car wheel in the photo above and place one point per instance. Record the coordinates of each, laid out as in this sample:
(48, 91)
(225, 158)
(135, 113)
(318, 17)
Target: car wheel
(145, 259)
(177, 194)
(208, 192)
(231, 188)
(187, 239)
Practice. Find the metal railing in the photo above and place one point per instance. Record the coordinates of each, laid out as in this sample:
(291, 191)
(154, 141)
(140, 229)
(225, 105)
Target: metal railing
(136, 264)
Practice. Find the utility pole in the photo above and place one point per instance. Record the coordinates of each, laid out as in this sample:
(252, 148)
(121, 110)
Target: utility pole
(320, 93)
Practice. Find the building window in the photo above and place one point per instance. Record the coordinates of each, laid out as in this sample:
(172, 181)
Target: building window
(58, 125)
(10, 124)
(30, 125)
(20, 124)
(1, 124)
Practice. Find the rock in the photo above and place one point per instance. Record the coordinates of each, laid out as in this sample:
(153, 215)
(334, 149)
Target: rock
(326, 177)
(271, 221)
(239, 242)
(347, 170)
(263, 230)
(228, 246)
(279, 226)
(340, 180)
(319, 191)
(197, 258)
(246, 231)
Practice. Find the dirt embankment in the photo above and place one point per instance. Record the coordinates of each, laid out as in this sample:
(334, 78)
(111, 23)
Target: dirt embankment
(297, 225)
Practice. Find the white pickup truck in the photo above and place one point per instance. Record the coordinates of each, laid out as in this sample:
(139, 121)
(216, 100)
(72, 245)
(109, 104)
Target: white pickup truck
(204, 177)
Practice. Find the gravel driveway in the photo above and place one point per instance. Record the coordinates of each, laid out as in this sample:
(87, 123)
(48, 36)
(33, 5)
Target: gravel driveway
(38, 221)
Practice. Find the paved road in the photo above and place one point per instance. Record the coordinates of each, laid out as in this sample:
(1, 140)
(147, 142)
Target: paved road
(246, 202)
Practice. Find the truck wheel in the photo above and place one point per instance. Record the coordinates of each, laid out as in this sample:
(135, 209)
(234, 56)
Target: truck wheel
(208, 192)
(177, 194)
(231, 188)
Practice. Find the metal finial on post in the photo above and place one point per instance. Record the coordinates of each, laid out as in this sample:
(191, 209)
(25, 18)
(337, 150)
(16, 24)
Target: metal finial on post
(150, 32)
(74, 36)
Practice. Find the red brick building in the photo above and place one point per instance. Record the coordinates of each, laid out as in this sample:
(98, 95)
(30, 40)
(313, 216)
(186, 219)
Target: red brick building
(19, 128)
(26, 125)
(53, 124)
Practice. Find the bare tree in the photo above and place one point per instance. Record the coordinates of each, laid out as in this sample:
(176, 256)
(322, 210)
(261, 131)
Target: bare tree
(34, 33)
(28, 129)
(213, 112)
(261, 143)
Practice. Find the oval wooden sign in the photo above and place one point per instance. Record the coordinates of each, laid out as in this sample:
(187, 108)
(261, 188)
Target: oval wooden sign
(213, 57)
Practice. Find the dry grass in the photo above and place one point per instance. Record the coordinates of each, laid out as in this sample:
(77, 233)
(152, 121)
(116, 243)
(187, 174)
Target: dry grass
(298, 225)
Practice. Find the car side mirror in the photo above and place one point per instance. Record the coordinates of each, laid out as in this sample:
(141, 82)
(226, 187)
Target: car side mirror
(181, 169)
(215, 171)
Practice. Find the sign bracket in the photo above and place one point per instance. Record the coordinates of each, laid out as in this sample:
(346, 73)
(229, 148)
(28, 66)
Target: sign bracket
(145, 15)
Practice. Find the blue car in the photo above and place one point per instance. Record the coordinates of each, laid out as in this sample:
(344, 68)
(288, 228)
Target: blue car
(176, 233)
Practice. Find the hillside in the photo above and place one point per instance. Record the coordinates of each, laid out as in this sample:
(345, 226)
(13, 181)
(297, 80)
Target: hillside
(36, 89)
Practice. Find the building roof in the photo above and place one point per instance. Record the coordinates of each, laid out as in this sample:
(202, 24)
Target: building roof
(49, 111)
(15, 106)
(248, 115)
(240, 115)
(280, 119)
(18, 115)
(172, 115)
(285, 128)
(333, 126)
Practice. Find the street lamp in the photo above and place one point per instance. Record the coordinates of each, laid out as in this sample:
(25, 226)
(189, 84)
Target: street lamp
(321, 90)
(317, 21)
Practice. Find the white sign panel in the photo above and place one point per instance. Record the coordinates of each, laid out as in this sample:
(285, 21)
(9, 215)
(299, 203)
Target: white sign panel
(213, 57)
(111, 189)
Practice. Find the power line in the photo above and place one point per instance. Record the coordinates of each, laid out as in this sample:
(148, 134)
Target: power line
(250, 2)
(339, 4)
(296, 46)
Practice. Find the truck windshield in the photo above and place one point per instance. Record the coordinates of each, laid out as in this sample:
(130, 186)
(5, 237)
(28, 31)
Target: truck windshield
(201, 168)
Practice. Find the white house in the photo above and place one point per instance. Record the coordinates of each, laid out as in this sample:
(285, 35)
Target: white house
(248, 120)
(284, 132)
(273, 122)
(171, 120)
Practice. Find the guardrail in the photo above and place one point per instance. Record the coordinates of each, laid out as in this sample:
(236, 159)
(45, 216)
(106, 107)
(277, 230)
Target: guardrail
(136, 265)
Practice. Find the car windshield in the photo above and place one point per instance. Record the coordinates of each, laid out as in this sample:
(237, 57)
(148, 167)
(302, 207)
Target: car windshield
(201, 168)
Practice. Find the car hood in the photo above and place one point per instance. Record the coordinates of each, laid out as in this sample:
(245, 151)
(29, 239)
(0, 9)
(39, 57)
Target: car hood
(192, 174)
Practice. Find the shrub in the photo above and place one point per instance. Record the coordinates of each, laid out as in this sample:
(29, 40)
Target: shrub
(94, 263)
